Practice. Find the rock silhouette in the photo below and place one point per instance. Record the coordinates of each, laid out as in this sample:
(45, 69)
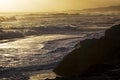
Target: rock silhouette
(104, 51)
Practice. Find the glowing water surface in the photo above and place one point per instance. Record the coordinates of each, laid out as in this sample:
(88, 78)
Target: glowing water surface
(31, 51)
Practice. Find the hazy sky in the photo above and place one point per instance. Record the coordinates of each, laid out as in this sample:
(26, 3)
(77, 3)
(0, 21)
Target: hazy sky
(51, 5)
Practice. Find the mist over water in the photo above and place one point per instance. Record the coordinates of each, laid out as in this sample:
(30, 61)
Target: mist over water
(44, 39)
(95, 20)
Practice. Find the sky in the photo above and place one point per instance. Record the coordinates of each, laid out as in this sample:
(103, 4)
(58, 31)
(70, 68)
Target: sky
(52, 5)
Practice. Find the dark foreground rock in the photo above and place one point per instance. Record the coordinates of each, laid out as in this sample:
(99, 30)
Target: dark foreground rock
(95, 59)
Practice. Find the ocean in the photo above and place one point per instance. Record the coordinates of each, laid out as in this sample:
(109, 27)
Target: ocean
(44, 39)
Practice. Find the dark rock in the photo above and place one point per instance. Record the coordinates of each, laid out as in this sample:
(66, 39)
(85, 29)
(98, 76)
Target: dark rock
(113, 33)
(112, 72)
(104, 51)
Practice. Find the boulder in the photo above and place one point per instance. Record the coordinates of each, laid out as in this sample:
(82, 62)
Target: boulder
(105, 50)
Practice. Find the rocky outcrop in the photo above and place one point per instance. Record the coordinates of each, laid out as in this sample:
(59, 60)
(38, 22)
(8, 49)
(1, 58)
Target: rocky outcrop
(94, 59)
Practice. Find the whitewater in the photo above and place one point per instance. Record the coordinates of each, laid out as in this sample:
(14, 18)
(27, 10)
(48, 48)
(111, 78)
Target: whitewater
(35, 56)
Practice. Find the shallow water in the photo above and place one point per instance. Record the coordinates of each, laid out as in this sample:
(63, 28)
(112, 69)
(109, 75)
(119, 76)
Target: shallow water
(37, 54)
(34, 54)
(33, 50)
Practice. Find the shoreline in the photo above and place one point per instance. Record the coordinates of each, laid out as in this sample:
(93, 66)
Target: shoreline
(57, 41)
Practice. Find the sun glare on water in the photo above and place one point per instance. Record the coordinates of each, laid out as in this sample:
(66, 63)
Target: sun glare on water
(51, 5)
(6, 5)
(24, 5)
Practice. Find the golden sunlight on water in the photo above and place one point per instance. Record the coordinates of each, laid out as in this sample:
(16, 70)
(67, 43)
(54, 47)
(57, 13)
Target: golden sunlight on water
(31, 42)
(43, 76)
(31, 50)
(51, 5)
